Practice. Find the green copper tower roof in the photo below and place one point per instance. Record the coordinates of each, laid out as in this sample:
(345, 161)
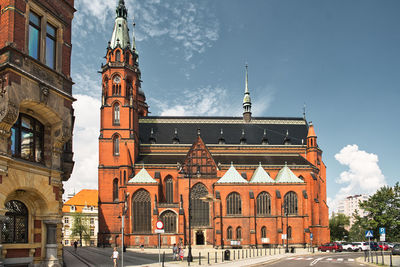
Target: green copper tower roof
(120, 35)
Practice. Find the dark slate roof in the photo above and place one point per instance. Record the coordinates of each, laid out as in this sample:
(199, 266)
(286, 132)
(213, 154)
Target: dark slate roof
(210, 127)
(227, 159)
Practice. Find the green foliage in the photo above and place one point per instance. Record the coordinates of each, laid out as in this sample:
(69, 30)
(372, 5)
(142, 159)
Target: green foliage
(383, 210)
(81, 227)
(337, 225)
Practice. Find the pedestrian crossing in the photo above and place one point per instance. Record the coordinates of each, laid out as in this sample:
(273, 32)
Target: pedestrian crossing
(320, 259)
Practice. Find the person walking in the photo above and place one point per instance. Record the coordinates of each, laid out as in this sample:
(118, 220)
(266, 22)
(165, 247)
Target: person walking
(175, 252)
(75, 245)
(181, 253)
(115, 257)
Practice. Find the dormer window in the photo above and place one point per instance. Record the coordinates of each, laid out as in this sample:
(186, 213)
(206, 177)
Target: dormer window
(73, 208)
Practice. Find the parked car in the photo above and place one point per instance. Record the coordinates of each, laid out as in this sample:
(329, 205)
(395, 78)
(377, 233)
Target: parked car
(335, 247)
(383, 246)
(391, 245)
(396, 249)
(374, 246)
(349, 246)
(362, 245)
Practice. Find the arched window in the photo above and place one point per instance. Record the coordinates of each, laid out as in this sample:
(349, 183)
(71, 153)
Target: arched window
(118, 56)
(116, 114)
(263, 204)
(115, 189)
(116, 145)
(15, 228)
(116, 88)
(263, 232)
(169, 219)
(289, 232)
(141, 210)
(27, 139)
(229, 232)
(239, 233)
(169, 190)
(233, 204)
(200, 209)
(290, 203)
(124, 177)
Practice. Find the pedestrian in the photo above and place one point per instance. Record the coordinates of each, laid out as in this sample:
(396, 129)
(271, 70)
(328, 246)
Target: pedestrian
(181, 253)
(115, 257)
(75, 245)
(175, 252)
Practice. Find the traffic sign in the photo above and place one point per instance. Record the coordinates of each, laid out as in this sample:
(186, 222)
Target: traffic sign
(159, 225)
(283, 236)
(382, 237)
(159, 231)
(311, 236)
(369, 233)
(382, 231)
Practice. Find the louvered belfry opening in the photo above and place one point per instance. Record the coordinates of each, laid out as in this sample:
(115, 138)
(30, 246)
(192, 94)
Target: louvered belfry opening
(263, 204)
(200, 208)
(169, 219)
(290, 203)
(141, 210)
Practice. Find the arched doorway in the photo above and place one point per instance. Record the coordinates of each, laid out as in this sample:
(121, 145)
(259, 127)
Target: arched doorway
(199, 237)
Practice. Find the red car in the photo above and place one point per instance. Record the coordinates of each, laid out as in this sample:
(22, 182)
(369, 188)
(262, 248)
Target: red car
(383, 246)
(334, 247)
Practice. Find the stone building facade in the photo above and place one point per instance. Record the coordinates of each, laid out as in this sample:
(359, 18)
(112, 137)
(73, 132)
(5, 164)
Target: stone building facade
(245, 181)
(36, 123)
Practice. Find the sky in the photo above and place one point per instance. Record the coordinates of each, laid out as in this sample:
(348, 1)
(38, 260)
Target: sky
(339, 58)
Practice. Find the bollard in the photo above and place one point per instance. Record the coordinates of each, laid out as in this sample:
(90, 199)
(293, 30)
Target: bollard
(242, 254)
(238, 254)
(279, 248)
(221, 257)
(365, 255)
(163, 259)
(274, 250)
(376, 254)
(269, 250)
(246, 254)
(391, 259)
(208, 257)
(257, 251)
(234, 255)
(383, 260)
(199, 258)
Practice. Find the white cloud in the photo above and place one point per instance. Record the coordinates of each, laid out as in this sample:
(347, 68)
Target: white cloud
(363, 177)
(85, 144)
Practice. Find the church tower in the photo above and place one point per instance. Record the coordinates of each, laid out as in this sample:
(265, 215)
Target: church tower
(123, 102)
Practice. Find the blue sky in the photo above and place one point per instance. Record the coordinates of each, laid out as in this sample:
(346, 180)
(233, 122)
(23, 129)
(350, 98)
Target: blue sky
(340, 58)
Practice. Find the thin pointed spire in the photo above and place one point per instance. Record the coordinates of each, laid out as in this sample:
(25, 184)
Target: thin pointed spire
(120, 33)
(247, 99)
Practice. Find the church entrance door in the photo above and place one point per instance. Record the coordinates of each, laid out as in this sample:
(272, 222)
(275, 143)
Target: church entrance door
(199, 238)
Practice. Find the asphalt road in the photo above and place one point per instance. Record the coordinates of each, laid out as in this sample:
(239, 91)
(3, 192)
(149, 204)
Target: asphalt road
(320, 260)
(100, 257)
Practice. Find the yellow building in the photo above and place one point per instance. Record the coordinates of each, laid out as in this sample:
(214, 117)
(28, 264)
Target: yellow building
(83, 204)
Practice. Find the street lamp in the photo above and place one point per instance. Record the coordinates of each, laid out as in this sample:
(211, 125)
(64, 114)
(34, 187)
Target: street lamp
(124, 210)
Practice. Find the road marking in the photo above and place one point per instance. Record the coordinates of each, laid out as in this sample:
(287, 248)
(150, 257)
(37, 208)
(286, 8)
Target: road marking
(308, 259)
(299, 259)
(329, 259)
(316, 261)
(351, 259)
(291, 258)
(340, 259)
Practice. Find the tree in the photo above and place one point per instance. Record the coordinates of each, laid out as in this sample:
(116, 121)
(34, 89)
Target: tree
(337, 225)
(383, 210)
(357, 230)
(80, 227)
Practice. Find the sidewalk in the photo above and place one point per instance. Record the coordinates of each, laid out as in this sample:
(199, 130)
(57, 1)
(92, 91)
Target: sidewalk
(238, 257)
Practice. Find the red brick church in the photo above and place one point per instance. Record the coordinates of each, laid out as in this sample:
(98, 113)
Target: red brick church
(245, 181)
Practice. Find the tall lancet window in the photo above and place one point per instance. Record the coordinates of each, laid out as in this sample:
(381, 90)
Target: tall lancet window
(118, 56)
(116, 145)
(115, 189)
(116, 114)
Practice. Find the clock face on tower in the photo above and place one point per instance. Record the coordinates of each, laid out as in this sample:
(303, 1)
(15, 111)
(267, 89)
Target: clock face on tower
(117, 79)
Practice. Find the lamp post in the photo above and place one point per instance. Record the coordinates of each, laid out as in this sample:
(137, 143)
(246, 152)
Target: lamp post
(287, 226)
(190, 257)
(124, 210)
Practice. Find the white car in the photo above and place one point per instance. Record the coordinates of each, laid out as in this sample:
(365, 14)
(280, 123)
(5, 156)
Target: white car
(362, 245)
(347, 246)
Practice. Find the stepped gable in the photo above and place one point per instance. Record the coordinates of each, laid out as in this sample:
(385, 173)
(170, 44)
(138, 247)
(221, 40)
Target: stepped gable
(233, 127)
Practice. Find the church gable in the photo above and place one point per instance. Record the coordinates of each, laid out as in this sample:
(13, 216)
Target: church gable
(199, 160)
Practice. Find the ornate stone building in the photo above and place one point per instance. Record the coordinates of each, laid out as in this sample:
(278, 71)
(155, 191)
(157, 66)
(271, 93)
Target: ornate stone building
(245, 181)
(36, 122)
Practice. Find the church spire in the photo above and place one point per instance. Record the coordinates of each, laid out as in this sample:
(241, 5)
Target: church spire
(247, 100)
(120, 35)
